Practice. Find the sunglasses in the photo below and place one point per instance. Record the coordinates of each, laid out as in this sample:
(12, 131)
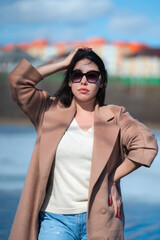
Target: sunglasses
(91, 76)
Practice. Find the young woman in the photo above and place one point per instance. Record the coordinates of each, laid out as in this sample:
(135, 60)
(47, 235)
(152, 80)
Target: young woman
(83, 149)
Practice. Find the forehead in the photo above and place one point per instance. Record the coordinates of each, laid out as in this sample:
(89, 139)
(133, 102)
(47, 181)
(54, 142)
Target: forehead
(86, 65)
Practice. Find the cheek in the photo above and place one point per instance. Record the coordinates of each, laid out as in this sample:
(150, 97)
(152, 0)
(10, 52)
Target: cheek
(73, 87)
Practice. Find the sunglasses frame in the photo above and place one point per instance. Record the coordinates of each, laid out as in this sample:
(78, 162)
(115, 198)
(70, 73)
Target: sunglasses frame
(84, 74)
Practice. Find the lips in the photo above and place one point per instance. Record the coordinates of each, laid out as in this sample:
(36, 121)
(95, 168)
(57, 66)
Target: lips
(83, 90)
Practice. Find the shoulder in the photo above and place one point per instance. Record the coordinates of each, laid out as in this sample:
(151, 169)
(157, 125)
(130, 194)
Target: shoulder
(109, 112)
(115, 109)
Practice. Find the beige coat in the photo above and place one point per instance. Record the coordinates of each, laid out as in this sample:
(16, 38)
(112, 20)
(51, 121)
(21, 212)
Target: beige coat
(116, 136)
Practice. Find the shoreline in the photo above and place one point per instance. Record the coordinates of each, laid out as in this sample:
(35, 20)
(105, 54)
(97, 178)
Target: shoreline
(15, 121)
(27, 122)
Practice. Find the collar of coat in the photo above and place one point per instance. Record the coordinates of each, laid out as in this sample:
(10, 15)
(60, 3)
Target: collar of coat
(56, 121)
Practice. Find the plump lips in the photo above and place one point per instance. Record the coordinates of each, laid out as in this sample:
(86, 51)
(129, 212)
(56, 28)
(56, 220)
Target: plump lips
(83, 90)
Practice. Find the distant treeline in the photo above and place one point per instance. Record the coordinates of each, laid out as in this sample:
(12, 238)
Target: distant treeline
(135, 81)
(125, 80)
(141, 101)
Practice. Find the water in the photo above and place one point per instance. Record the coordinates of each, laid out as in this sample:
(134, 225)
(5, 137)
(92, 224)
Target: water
(141, 189)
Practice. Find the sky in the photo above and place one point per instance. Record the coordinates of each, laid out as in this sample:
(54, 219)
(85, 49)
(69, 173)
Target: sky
(70, 20)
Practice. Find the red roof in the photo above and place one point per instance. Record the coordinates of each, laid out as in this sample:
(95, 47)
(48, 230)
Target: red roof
(9, 47)
(132, 46)
(39, 43)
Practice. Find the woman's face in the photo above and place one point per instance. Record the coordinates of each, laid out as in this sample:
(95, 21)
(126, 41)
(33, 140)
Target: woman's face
(85, 91)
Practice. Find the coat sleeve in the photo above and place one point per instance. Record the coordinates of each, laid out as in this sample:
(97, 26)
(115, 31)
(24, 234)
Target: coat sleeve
(137, 141)
(22, 82)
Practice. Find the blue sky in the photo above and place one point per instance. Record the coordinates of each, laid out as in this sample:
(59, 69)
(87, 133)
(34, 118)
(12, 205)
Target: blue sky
(68, 20)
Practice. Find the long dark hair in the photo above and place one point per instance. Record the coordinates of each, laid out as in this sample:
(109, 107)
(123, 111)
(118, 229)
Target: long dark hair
(64, 93)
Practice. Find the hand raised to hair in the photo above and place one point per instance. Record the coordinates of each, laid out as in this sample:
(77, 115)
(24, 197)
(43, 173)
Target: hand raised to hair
(69, 58)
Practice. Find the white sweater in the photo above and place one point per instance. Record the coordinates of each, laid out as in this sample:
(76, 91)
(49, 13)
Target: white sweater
(72, 172)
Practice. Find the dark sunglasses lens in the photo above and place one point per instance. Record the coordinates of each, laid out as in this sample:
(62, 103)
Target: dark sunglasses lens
(76, 76)
(92, 77)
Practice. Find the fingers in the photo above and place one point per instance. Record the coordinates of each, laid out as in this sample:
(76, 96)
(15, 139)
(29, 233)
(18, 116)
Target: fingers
(87, 49)
(115, 200)
(83, 48)
(117, 207)
(110, 200)
(119, 204)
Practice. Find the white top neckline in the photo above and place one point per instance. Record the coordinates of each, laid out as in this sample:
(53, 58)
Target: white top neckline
(70, 181)
(90, 130)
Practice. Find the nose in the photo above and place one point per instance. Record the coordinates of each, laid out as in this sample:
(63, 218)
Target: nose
(84, 80)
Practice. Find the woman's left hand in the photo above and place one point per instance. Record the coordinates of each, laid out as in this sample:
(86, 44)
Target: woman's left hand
(115, 199)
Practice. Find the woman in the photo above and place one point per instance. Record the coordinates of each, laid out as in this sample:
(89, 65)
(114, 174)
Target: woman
(83, 149)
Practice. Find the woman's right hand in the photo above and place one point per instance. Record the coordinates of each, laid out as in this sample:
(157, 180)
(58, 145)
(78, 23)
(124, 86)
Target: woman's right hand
(69, 58)
(51, 68)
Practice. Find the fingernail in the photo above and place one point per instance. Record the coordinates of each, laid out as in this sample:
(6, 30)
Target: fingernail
(119, 216)
(116, 215)
(109, 202)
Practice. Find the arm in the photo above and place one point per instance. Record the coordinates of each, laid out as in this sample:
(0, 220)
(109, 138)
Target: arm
(138, 143)
(25, 77)
(140, 148)
(22, 82)
(48, 69)
(124, 169)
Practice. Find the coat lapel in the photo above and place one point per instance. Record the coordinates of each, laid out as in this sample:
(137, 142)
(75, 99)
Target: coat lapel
(105, 135)
(55, 123)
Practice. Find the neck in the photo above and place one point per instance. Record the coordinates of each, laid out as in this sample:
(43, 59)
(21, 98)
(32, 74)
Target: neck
(85, 107)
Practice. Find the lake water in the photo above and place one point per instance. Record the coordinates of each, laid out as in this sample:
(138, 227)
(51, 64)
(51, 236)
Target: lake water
(140, 189)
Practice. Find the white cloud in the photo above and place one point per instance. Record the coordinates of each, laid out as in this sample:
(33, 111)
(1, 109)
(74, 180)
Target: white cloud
(59, 20)
(52, 32)
(132, 24)
(127, 23)
(54, 10)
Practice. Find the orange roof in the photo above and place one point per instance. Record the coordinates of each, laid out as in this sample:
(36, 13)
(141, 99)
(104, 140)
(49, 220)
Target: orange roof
(97, 41)
(120, 43)
(23, 46)
(78, 43)
(39, 43)
(136, 47)
(60, 44)
(9, 47)
(132, 46)
(88, 43)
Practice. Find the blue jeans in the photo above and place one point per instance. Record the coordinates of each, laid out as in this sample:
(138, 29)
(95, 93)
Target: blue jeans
(62, 226)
